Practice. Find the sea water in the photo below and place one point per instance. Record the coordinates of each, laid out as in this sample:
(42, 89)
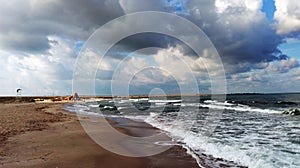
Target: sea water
(248, 129)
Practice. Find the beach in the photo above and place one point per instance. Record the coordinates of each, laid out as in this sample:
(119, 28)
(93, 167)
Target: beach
(253, 131)
(45, 135)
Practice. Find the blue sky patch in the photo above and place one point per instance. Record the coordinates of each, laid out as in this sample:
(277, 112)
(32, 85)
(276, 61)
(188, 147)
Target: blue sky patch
(269, 8)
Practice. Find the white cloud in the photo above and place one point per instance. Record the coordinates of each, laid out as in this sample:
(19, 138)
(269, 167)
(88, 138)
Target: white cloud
(252, 5)
(295, 75)
(168, 65)
(283, 66)
(38, 74)
(287, 15)
(239, 15)
(175, 63)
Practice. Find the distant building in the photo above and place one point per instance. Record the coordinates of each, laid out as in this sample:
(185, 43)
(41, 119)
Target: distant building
(75, 96)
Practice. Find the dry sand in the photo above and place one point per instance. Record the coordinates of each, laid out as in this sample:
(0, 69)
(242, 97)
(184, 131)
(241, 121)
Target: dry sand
(44, 135)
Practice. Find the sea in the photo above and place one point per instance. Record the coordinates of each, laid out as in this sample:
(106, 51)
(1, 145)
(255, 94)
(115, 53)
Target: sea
(250, 130)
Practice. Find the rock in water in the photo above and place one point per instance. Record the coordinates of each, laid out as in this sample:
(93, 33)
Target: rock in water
(292, 112)
(286, 112)
(296, 112)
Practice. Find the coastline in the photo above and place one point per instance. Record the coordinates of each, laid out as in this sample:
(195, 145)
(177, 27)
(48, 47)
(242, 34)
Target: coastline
(61, 142)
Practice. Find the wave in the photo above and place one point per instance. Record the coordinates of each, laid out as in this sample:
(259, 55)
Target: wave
(212, 104)
(195, 143)
(201, 144)
(94, 105)
(239, 107)
(286, 103)
(219, 103)
(165, 101)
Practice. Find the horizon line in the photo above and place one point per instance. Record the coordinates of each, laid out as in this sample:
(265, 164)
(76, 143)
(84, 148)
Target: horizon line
(145, 95)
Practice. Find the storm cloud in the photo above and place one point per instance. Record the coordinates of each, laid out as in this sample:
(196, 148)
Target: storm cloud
(239, 31)
(25, 25)
(50, 34)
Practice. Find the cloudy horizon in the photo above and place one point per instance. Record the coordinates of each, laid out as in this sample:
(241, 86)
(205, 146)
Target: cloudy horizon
(258, 42)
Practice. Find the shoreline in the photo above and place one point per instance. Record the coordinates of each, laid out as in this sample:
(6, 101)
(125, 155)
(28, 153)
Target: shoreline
(63, 142)
(50, 139)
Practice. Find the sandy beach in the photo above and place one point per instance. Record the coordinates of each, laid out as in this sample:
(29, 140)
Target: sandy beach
(45, 135)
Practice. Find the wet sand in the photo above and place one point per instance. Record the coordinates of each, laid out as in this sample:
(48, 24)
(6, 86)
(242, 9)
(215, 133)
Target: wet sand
(44, 135)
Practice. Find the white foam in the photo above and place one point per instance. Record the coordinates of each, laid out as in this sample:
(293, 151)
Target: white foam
(135, 118)
(160, 103)
(166, 143)
(198, 142)
(193, 154)
(218, 103)
(94, 105)
(120, 108)
(190, 104)
(165, 101)
(238, 107)
(133, 100)
(90, 113)
(93, 99)
(108, 107)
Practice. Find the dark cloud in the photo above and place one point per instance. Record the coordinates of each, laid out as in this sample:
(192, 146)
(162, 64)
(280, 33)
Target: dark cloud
(24, 42)
(170, 87)
(144, 40)
(25, 25)
(136, 42)
(259, 45)
(142, 5)
(243, 38)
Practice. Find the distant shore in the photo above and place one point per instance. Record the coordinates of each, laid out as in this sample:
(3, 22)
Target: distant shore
(24, 99)
(27, 99)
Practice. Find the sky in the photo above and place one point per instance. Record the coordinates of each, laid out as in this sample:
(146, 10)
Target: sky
(258, 42)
